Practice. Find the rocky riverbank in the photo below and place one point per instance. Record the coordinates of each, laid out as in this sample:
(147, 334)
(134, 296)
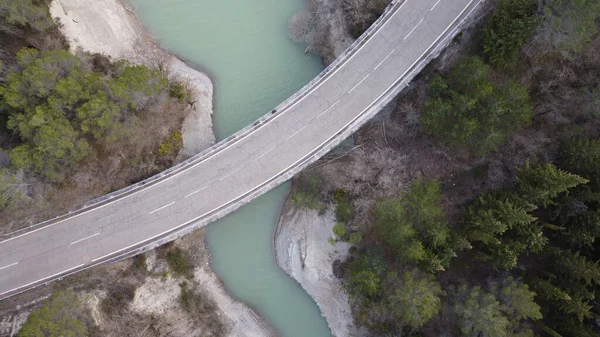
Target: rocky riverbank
(110, 28)
(303, 251)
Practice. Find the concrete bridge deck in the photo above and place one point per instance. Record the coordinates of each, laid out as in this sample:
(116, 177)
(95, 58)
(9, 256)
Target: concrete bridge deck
(245, 165)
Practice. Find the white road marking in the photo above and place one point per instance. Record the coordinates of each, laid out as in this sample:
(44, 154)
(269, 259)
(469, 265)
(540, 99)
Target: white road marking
(201, 216)
(331, 107)
(357, 84)
(87, 237)
(406, 37)
(165, 206)
(262, 155)
(223, 177)
(296, 132)
(282, 112)
(435, 5)
(196, 191)
(388, 55)
(10, 265)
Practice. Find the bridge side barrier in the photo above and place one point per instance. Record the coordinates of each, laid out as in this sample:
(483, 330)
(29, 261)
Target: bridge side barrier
(350, 128)
(220, 146)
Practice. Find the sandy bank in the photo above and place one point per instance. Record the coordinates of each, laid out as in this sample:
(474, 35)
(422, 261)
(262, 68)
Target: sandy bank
(160, 296)
(108, 27)
(303, 251)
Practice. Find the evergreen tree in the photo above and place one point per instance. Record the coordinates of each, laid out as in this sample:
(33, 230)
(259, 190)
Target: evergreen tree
(414, 226)
(581, 156)
(511, 24)
(412, 299)
(61, 315)
(541, 183)
(466, 108)
(478, 314)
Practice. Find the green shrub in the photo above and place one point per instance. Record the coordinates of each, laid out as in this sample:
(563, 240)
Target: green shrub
(306, 193)
(343, 206)
(172, 145)
(177, 90)
(339, 229)
(179, 263)
(355, 238)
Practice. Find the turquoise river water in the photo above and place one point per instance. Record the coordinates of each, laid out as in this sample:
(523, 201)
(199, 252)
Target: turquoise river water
(243, 44)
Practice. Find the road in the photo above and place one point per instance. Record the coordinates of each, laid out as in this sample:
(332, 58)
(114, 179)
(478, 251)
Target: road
(248, 165)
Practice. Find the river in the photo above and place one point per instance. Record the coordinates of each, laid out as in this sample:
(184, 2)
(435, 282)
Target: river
(244, 47)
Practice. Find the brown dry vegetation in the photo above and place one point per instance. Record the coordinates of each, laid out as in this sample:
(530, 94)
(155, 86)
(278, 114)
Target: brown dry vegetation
(391, 151)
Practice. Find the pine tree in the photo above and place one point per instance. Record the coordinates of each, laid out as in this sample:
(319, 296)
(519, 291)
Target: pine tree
(581, 156)
(578, 268)
(541, 183)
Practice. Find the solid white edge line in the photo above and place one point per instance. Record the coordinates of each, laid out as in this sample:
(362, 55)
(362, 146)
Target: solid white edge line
(288, 108)
(406, 37)
(388, 55)
(87, 237)
(432, 8)
(165, 206)
(10, 265)
(45, 278)
(197, 218)
(357, 84)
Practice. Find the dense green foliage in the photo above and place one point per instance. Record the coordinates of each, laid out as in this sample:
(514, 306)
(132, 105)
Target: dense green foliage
(413, 298)
(501, 225)
(339, 229)
(571, 24)
(413, 225)
(61, 315)
(498, 313)
(58, 107)
(466, 108)
(306, 192)
(343, 207)
(510, 25)
(25, 13)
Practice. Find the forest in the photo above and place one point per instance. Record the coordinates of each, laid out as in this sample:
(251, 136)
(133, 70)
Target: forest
(502, 240)
(74, 126)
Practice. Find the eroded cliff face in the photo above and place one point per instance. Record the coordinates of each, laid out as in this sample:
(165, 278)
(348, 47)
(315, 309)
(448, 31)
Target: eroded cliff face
(303, 250)
(108, 27)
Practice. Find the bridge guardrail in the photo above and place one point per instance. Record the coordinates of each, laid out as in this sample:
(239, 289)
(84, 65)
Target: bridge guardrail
(193, 224)
(107, 198)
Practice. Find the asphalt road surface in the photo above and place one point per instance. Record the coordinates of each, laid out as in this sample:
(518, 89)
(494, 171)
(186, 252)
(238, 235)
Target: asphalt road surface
(244, 166)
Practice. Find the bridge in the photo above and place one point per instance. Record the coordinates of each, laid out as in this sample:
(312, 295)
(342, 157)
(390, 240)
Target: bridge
(249, 163)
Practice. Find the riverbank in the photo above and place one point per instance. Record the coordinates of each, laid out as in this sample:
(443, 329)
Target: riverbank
(303, 251)
(108, 27)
